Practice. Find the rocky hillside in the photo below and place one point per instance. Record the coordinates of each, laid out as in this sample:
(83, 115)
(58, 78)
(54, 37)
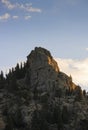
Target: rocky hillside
(38, 96)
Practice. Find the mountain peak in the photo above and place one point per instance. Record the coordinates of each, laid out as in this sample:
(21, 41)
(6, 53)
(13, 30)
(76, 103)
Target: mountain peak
(40, 57)
(40, 50)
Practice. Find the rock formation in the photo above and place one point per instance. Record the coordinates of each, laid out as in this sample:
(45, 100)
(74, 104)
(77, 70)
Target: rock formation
(41, 97)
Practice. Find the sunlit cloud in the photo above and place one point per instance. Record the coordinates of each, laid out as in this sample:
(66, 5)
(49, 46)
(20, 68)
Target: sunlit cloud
(77, 68)
(5, 16)
(27, 17)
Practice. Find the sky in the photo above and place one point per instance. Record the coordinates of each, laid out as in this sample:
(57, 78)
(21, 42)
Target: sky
(61, 26)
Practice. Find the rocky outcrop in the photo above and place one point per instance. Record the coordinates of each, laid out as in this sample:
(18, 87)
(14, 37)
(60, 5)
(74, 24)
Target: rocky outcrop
(41, 58)
(44, 99)
(42, 67)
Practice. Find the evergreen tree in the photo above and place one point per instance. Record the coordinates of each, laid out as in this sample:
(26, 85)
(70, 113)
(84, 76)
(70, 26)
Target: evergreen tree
(84, 93)
(79, 94)
(1, 76)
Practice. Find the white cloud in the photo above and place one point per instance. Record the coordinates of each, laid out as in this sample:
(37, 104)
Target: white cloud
(77, 68)
(5, 16)
(27, 17)
(15, 17)
(87, 49)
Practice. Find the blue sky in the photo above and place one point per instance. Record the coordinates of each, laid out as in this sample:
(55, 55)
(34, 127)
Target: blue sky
(58, 25)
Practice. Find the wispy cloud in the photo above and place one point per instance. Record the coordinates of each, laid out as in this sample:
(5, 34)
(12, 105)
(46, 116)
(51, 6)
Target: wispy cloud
(31, 9)
(15, 17)
(22, 8)
(27, 17)
(27, 7)
(5, 16)
(77, 68)
(8, 4)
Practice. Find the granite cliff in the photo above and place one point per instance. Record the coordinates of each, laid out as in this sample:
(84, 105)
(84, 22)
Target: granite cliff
(38, 96)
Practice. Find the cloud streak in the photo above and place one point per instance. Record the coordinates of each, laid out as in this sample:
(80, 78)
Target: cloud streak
(15, 17)
(27, 17)
(77, 68)
(27, 7)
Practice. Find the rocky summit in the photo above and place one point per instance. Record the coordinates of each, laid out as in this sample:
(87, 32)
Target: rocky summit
(36, 95)
(42, 68)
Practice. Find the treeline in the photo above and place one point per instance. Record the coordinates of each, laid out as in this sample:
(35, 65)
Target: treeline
(14, 74)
